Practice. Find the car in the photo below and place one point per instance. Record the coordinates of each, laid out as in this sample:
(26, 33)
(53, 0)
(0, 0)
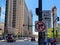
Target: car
(33, 39)
(10, 38)
(1, 38)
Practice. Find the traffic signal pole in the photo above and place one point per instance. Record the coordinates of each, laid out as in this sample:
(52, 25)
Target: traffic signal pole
(41, 35)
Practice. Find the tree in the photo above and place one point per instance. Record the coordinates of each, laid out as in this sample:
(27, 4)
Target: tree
(56, 32)
(58, 28)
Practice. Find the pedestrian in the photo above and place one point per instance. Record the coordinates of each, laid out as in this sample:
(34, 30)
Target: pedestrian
(54, 41)
(50, 41)
(45, 41)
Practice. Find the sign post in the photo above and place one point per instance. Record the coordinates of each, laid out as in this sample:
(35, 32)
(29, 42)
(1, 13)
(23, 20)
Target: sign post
(41, 35)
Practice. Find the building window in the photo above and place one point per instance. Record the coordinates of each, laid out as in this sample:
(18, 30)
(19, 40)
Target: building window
(14, 14)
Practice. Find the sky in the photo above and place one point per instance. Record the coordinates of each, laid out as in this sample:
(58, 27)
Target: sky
(46, 5)
(32, 5)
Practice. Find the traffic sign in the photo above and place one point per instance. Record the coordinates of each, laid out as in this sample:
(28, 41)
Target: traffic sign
(40, 26)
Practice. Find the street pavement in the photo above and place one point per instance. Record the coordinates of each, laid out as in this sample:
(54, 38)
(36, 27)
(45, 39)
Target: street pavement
(20, 43)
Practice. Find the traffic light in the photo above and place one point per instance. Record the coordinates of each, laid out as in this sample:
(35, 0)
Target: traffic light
(57, 18)
(38, 11)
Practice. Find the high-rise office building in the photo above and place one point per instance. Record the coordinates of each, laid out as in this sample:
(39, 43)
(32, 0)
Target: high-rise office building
(16, 15)
(48, 19)
(30, 22)
(46, 15)
(1, 25)
(1, 28)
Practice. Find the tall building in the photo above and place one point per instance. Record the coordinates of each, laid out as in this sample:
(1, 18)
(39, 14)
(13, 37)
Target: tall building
(1, 28)
(48, 19)
(16, 15)
(30, 22)
(46, 15)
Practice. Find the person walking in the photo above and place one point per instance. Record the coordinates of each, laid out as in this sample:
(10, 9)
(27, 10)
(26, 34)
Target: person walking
(45, 41)
(50, 41)
(54, 41)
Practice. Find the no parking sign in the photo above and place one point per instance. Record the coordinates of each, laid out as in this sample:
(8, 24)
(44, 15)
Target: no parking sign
(40, 26)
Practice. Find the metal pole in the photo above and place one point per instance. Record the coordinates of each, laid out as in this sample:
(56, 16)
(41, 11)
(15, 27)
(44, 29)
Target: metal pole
(53, 25)
(53, 13)
(28, 28)
(39, 18)
(40, 34)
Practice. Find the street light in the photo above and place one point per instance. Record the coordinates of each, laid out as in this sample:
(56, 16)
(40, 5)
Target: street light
(0, 12)
(53, 13)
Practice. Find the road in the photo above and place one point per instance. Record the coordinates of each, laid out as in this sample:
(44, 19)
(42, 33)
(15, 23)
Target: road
(20, 43)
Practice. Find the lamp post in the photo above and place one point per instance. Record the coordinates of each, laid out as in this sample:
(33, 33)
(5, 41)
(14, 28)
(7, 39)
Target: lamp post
(53, 13)
(0, 15)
